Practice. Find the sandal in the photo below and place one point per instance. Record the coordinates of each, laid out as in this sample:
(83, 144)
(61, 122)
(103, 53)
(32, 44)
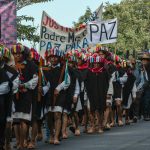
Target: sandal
(100, 131)
(77, 132)
(120, 123)
(25, 144)
(31, 145)
(91, 130)
(56, 142)
(107, 127)
(64, 136)
(112, 124)
(51, 141)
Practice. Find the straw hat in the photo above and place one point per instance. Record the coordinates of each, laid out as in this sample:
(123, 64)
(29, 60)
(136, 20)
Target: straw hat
(145, 56)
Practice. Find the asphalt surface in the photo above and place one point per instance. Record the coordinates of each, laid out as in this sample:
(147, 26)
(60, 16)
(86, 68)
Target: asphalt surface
(132, 137)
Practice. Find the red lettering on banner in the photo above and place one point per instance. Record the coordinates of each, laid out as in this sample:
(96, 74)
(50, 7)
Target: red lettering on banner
(71, 30)
(67, 29)
(51, 22)
(61, 27)
(46, 22)
(77, 29)
(56, 25)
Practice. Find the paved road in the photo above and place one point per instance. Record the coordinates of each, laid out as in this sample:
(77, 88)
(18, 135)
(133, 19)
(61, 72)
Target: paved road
(133, 137)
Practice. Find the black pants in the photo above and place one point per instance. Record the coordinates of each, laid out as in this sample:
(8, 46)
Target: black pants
(2, 134)
(4, 111)
(135, 109)
(146, 102)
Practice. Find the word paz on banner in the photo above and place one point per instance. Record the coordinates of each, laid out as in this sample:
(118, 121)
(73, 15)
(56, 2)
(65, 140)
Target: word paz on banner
(102, 32)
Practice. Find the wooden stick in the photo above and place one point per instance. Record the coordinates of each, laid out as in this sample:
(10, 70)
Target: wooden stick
(40, 80)
(115, 52)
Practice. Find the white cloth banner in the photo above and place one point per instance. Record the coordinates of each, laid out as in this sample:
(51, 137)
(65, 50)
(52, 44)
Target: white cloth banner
(54, 35)
(102, 32)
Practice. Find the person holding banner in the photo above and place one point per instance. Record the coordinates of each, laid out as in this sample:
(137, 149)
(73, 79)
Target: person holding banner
(46, 98)
(57, 93)
(23, 100)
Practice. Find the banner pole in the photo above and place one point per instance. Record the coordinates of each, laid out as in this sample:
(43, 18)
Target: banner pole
(115, 52)
(40, 79)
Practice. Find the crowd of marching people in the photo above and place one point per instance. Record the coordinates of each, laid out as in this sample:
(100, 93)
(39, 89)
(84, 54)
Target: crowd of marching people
(93, 88)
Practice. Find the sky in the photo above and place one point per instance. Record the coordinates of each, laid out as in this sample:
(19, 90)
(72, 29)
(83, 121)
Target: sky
(65, 12)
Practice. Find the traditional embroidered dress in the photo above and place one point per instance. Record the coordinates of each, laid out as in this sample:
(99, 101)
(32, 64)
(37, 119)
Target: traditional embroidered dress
(82, 77)
(60, 100)
(72, 91)
(23, 100)
(45, 97)
(97, 86)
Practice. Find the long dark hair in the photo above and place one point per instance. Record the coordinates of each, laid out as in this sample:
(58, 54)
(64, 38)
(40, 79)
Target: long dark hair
(26, 53)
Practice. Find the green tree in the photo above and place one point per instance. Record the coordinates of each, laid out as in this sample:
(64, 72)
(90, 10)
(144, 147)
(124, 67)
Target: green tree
(83, 18)
(133, 23)
(23, 3)
(27, 32)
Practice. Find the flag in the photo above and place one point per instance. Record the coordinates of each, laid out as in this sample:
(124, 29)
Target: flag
(96, 15)
(99, 12)
(66, 73)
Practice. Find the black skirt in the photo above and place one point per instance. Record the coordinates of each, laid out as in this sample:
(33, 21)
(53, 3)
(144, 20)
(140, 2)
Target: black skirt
(117, 90)
(97, 86)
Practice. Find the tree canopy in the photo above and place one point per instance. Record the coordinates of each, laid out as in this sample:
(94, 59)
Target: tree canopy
(133, 22)
(83, 18)
(27, 32)
(23, 3)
